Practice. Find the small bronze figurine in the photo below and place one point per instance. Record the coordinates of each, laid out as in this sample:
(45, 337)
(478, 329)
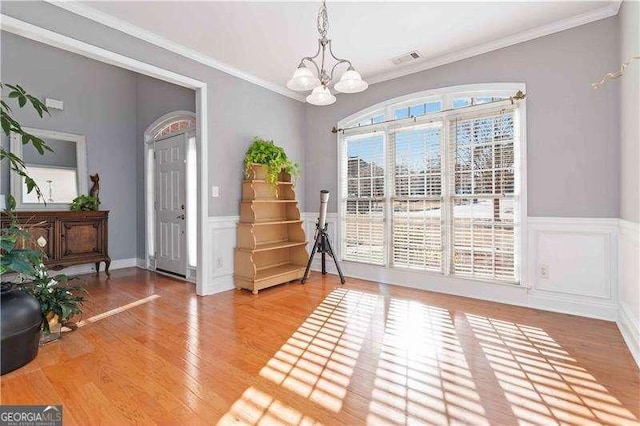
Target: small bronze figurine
(95, 189)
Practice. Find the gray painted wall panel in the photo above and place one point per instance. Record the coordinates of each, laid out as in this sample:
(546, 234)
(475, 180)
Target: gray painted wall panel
(629, 87)
(112, 107)
(572, 130)
(238, 110)
(100, 102)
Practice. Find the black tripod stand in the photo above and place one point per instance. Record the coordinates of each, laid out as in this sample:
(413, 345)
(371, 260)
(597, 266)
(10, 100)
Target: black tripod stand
(322, 245)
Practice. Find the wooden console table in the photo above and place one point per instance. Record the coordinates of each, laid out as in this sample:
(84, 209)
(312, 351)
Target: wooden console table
(73, 237)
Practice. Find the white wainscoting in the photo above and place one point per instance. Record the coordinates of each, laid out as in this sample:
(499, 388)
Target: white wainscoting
(629, 288)
(592, 264)
(580, 255)
(222, 242)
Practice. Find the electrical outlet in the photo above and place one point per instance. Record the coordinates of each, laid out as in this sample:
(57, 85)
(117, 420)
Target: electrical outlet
(543, 271)
(219, 262)
(215, 191)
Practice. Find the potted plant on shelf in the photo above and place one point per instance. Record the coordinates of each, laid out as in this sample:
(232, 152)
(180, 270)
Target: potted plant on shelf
(85, 203)
(265, 160)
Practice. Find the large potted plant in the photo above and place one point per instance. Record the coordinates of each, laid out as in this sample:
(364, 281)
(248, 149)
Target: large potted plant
(22, 307)
(268, 161)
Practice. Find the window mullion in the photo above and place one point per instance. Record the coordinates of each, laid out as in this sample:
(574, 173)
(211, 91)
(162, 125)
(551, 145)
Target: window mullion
(389, 196)
(447, 180)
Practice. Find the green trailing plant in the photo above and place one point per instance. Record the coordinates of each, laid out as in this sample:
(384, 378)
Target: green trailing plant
(272, 157)
(85, 203)
(10, 125)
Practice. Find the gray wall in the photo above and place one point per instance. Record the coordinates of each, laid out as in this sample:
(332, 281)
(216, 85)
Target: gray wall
(112, 107)
(237, 110)
(154, 98)
(99, 102)
(572, 130)
(629, 87)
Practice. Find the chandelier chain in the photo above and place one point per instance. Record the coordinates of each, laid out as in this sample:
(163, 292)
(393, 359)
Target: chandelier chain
(323, 21)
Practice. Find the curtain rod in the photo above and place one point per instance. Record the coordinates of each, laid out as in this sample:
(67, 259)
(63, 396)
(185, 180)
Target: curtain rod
(518, 96)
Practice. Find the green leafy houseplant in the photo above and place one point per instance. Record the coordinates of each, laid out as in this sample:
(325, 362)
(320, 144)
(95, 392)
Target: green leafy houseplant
(85, 203)
(57, 298)
(10, 125)
(272, 157)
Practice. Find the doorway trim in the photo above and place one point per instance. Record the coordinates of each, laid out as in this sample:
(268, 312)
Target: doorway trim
(51, 38)
(149, 186)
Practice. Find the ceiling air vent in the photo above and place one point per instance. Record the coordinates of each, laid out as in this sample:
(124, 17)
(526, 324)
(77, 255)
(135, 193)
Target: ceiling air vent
(411, 56)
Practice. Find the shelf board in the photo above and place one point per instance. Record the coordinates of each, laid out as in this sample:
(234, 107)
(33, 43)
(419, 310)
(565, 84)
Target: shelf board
(274, 246)
(272, 222)
(264, 181)
(277, 270)
(269, 200)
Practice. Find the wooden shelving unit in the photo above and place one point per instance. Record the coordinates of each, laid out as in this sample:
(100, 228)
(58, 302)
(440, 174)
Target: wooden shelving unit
(271, 244)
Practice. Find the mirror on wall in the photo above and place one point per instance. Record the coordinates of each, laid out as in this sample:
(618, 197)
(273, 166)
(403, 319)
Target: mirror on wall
(61, 174)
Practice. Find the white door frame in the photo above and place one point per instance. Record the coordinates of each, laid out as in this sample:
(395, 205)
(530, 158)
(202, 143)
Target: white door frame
(149, 186)
(51, 38)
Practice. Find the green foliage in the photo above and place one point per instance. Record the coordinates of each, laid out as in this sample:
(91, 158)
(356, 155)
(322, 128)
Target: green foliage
(54, 295)
(10, 125)
(84, 202)
(14, 257)
(273, 157)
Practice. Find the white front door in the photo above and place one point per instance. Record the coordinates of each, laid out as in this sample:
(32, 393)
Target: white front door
(170, 205)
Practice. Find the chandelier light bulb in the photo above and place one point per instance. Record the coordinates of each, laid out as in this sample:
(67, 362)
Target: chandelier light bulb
(351, 82)
(321, 96)
(303, 79)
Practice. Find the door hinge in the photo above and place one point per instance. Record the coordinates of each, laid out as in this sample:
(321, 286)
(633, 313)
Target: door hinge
(154, 154)
(155, 205)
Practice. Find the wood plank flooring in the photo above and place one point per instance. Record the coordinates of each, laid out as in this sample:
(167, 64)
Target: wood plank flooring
(150, 351)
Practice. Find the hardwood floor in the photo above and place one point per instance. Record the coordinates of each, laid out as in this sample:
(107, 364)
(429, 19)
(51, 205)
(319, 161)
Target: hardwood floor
(150, 351)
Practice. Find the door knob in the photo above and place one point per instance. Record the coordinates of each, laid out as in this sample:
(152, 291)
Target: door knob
(181, 216)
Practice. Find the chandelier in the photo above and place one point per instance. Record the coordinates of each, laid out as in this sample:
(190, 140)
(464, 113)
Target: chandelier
(304, 79)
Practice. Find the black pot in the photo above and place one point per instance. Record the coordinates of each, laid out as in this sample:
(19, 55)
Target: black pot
(21, 322)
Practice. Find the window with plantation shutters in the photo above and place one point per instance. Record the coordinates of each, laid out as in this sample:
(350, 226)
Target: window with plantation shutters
(363, 215)
(434, 186)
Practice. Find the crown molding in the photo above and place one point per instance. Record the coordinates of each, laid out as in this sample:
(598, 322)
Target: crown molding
(157, 40)
(120, 25)
(544, 30)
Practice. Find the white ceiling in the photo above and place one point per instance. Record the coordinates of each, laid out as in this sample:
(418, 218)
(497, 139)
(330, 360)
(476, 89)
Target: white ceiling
(267, 39)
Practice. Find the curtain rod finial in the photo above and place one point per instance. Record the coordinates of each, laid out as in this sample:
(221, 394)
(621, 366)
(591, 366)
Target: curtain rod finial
(334, 130)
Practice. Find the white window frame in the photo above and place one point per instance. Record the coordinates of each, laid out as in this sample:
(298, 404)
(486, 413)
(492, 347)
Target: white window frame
(446, 94)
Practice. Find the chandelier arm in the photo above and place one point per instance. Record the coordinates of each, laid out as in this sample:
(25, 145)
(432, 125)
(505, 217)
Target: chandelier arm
(310, 59)
(340, 61)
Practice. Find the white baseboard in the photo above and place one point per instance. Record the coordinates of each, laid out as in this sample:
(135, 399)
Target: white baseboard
(630, 330)
(141, 263)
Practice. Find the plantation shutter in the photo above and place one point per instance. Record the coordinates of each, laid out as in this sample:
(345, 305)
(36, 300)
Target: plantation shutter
(483, 199)
(363, 209)
(417, 202)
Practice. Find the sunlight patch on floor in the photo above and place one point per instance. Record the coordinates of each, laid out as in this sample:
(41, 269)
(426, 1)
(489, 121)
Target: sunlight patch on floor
(317, 361)
(117, 310)
(543, 383)
(259, 408)
(422, 374)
